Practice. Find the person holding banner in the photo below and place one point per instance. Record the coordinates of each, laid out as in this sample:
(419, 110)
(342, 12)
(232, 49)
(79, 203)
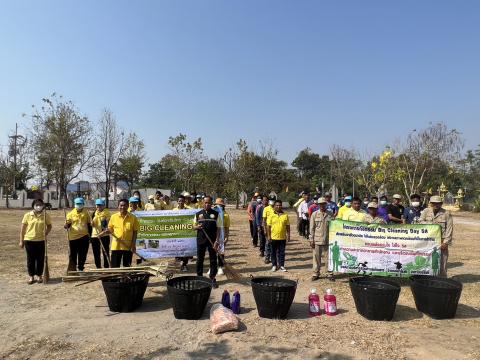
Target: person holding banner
(208, 233)
(133, 204)
(372, 217)
(188, 201)
(347, 204)
(395, 210)
(158, 200)
(123, 226)
(319, 236)
(151, 203)
(36, 225)
(436, 214)
(413, 212)
(166, 204)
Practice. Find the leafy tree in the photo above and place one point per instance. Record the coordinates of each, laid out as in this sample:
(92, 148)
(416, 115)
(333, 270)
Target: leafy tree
(160, 175)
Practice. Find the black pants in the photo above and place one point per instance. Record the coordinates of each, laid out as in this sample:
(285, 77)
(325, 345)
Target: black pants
(35, 257)
(212, 254)
(79, 251)
(97, 250)
(278, 252)
(220, 261)
(304, 227)
(118, 255)
(263, 240)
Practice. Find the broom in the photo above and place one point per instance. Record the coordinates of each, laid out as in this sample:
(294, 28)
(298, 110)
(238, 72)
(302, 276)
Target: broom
(71, 265)
(230, 272)
(46, 273)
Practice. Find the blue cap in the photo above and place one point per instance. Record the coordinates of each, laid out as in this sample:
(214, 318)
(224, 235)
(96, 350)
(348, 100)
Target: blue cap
(133, 199)
(100, 202)
(79, 201)
(348, 198)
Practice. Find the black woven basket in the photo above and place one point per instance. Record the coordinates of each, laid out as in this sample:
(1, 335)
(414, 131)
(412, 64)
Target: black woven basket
(189, 296)
(273, 296)
(375, 298)
(436, 297)
(125, 294)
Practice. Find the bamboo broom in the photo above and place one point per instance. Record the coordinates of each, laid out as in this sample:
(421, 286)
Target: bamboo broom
(46, 272)
(71, 265)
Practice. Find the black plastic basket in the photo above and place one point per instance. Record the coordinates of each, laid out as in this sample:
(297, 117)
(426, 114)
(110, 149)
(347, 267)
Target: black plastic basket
(189, 296)
(375, 298)
(125, 294)
(273, 296)
(436, 297)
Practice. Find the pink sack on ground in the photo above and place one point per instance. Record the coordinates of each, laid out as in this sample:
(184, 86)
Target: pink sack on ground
(222, 319)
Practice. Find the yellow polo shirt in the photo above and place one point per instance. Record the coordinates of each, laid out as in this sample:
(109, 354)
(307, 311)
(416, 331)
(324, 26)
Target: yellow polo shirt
(80, 221)
(149, 207)
(123, 228)
(35, 225)
(166, 206)
(354, 215)
(342, 211)
(278, 225)
(158, 204)
(267, 212)
(226, 220)
(97, 220)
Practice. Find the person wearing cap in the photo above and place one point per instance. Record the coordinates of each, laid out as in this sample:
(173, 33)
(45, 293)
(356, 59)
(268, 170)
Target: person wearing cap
(199, 202)
(151, 203)
(319, 236)
(78, 225)
(260, 229)
(133, 204)
(208, 238)
(395, 210)
(251, 209)
(188, 200)
(267, 212)
(136, 194)
(436, 214)
(332, 207)
(158, 200)
(411, 215)
(100, 219)
(296, 207)
(278, 230)
(220, 203)
(313, 207)
(36, 225)
(355, 213)
(166, 203)
(372, 217)
(383, 208)
(303, 215)
(124, 228)
(347, 205)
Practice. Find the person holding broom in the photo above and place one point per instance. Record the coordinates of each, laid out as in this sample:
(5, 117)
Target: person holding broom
(36, 225)
(78, 224)
(208, 233)
(123, 226)
(100, 219)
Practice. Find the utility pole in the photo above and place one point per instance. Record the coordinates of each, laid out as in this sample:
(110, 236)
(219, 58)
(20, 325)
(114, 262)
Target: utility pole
(15, 142)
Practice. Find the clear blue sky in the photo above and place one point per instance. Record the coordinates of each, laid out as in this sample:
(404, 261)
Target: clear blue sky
(300, 73)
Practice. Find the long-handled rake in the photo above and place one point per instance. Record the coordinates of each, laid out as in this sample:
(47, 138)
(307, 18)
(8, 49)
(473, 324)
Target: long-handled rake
(71, 265)
(46, 272)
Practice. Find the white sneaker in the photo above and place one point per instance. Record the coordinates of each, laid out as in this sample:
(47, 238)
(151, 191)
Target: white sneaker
(282, 268)
(208, 272)
(220, 271)
(274, 268)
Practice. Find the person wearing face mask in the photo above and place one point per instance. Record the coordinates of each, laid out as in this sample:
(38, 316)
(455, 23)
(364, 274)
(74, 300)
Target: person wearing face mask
(395, 210)
(220, 208)
(436, 214)
(383, 209)
(267, 212)
(259, 222)
(251, 209)
(365, 203)
(372, 217)
(413, 212)
(35, 227)
(347, 204)
(78, 225)
(136, 194)
(100, 219)
(355, 213)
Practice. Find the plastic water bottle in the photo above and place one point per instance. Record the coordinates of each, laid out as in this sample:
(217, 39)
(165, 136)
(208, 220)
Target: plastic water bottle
(330, 302)
(314, 303)
(236, 302)
(226, 299)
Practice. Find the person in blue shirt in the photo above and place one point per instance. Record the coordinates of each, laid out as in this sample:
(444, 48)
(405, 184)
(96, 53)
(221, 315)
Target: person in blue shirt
(383, 209)
(332, 208)
(260, 230)
(412, 213)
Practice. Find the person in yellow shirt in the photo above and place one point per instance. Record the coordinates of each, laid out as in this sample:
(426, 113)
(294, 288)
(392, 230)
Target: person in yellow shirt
(220, 208)
(199, 203)
(355, 213)
(78, 225)
(166, 203)
(347, 205)
(36, 225)
(267, 211)
(151, 204)
(188, 200)
(158, 200)
(278, 230)
(100, 218)
(123, 226)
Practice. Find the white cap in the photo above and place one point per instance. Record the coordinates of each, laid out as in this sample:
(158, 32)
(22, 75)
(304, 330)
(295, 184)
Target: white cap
(329, 291)
(313, 291)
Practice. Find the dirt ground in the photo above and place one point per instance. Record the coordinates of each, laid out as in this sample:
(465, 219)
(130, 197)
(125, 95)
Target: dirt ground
(60, 321)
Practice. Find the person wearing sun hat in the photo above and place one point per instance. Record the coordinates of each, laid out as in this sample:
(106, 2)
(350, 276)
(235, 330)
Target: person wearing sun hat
(151, 203)
(100, 219)
(372, 217)
(436, 214)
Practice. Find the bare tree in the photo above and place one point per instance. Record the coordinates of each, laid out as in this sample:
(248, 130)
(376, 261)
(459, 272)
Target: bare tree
(61, 138)
(345, 166)
(110, 146)
(424, 150)
(131, 161)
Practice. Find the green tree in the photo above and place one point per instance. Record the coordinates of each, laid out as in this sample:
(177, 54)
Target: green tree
(131, 162)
